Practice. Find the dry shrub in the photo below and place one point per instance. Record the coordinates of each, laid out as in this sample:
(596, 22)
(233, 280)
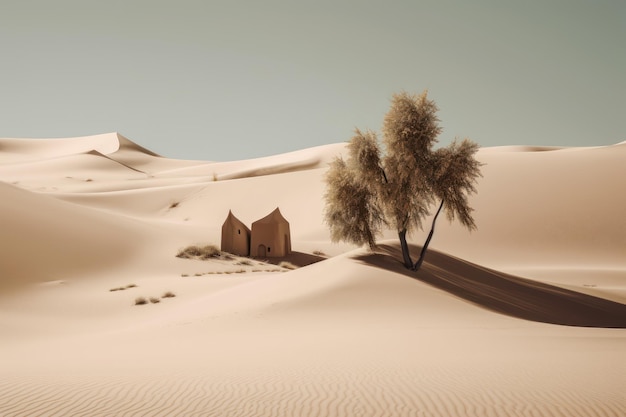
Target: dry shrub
(168, 294)
(287, 265)
(244, 262)
(139, 301)
(199, 252)
(155, 300)
(123, 288)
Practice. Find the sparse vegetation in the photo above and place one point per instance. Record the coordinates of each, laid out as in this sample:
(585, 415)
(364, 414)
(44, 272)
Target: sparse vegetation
(168, 294)
(155, 300)
(199, 252)
(123, 288)
(287, 265)
(174, 204)
(399, 188)
(139, 301)
(245, 262)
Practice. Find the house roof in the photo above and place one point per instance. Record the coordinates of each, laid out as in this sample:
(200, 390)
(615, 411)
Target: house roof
(273, 217)
(234, 221)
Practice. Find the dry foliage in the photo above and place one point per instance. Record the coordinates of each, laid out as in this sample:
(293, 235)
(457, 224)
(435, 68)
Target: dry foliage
(287, 265)
(399, 188)
(199, 252)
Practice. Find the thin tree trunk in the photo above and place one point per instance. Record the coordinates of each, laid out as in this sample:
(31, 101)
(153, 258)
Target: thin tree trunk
(419, 262)
(408, 262)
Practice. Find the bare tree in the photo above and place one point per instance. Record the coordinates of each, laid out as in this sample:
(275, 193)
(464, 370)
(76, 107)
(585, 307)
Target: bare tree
(399, 188)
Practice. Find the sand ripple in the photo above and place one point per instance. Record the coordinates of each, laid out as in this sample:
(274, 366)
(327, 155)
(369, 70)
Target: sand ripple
(315, 392)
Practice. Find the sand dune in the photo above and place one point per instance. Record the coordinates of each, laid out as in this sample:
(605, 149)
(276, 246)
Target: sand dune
(523, 317)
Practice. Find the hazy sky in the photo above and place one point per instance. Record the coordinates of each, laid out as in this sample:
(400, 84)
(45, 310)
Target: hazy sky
(223, 80)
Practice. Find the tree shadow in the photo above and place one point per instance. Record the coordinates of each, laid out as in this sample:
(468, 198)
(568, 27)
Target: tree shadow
(504, 293)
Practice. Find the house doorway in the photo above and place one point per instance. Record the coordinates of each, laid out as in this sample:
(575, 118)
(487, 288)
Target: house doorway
(262, 251)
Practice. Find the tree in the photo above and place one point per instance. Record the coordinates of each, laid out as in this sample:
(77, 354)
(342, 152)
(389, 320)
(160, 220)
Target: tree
(398, 188)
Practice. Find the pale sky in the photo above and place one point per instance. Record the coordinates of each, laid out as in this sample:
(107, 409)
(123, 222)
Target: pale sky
(225, 80)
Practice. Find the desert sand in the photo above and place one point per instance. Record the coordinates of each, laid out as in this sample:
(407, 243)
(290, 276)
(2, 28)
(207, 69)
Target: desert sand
(523, 317)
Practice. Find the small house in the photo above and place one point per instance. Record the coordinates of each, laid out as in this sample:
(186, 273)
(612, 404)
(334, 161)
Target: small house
(235, 236)
(271, 236)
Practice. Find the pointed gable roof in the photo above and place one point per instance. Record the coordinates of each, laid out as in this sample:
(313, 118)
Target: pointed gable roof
(232, 220)
(273, 217)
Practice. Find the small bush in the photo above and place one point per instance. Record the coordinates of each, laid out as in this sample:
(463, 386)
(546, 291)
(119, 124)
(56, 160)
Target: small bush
(245, 262)
(184, 275)
(123, 288)
(168, 294)
(139, 301)
(155, 300)
(199, 252)
(174, 204)
(287, 265)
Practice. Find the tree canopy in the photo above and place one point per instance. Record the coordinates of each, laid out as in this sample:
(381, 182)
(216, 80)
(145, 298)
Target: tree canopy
(399, 187)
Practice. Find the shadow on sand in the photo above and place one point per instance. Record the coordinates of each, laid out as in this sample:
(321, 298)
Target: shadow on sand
(503, 293)
(299, 259)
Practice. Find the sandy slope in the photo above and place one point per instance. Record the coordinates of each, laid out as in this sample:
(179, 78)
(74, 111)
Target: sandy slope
(351, 335)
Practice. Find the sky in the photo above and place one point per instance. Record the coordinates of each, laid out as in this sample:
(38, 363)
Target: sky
(227, 80)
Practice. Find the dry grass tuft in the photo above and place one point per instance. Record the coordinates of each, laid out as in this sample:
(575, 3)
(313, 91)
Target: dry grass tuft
(199, 252)
(123, 288)
(155, 300)
(288, 265)
(174, 204)
(244, 262)
(168, 294)
(139, 301)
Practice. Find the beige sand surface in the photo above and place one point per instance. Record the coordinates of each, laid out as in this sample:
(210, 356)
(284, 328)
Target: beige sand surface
(523, 317)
